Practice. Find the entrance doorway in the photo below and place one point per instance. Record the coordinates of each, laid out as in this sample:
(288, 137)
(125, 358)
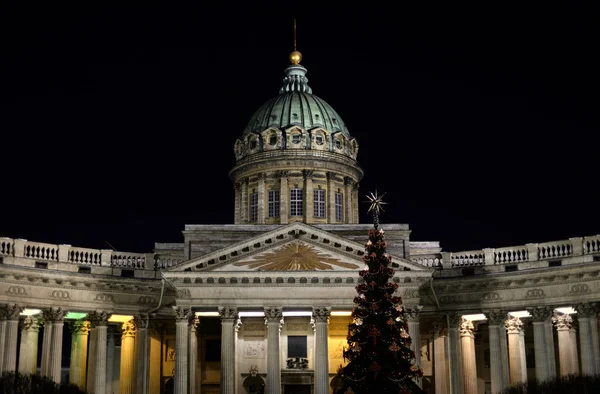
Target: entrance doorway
(297, 389)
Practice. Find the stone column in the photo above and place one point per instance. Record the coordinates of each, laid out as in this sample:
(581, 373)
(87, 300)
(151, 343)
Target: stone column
(331, 197)
(11, 311)
(91, 363)
(273, 316)
(517, 366)
(585, 312)
(79, 347)
(110, 361)
(321, 318)
(237, 190)
(182, 318)
(355, 214)
(141, 362)
(550, 345)
(440, 366)
(261, 198)
(193, 356)
(412, 317)
(2, 336)
(563, 324)
(594, 334)
(99, 320)
(495, 318)
(284, 197)
(542, 367)
(51, 360)
(244, 214)
(228, 319)
(348, 183)
(504, 359)
(467, 342)
(126, 376)
(574, 354)
(309, 207)
(455, 366)
(29, 345)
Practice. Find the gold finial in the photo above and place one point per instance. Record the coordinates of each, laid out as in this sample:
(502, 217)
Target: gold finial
(295, 56)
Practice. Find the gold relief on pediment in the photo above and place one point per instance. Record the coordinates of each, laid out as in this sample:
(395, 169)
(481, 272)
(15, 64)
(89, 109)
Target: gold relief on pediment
(295, 256)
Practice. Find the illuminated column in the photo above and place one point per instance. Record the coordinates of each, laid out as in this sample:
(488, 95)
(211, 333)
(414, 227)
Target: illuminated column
(348, 182)
(193, 354)
(273, 317)
(284, 197)
(99, 320)
(542, 367)
(91, 362)
(228, 319)
(11, 333)
(586, 315)
(79, 346)
(126, 377)
(518, 371)
(331, 198)
(440, 366)
(261, 198)
(574, 353)
(29, 345)
(237, 187)
(495, 318)
(550, 345)
(244, 202)
(504, 359)
(412, 316)
(309, 207)
(321, 318)
(467, 342)
(141, 362)
(455, 366)
(563, 324)
(182, 318)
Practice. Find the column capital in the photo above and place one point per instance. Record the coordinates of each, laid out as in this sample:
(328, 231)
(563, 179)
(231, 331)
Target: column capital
(261, 176)
(194, 323)
(237, 185)
(330, 175)
(467, 329)
(273, 314)
(31, 323)
(228, 313)
(128, 329)
(586, 309)
(349, 181)
(81, 327)
(98, 318)
(454, 320)
(237, 325)
(562, 321)
(540, 313)
(54, 314)
(437, 329)
(10, 312)
(283, 174)
(321, 314)
(513, 324)
(138, 321)
(412, 312)
(495, 317)
(307, 174)
(182, 313)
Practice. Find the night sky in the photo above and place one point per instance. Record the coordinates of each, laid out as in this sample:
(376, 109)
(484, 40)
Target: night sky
(118, 124)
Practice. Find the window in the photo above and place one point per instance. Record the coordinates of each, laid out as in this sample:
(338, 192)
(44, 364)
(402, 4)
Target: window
(253, 207)
(297, 346)
(339, 205)
(338, 144)
(296, 202)
(296, 138)
(319, 140)
(319, 203)
(253, 144)
(272, 139)
(273, 203)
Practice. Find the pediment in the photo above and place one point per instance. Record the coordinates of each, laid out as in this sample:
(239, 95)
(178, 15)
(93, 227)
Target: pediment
(293, 247)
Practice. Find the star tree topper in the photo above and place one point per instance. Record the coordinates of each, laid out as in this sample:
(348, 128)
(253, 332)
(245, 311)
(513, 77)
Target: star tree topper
(376, 202)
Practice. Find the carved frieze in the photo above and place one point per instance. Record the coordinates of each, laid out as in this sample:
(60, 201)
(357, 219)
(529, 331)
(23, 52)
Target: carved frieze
(579, 288)
(60, 294)
(147, 300)
(254, 349)
(297, 327)
(104, 297)
(16, 291)
(184, 293)
(254, 327)
(535, 293)
(491, 296)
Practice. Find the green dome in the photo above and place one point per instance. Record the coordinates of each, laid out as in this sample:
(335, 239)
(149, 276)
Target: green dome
(296, 106)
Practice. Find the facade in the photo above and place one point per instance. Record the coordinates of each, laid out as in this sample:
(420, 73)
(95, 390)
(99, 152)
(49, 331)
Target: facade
(263, 304)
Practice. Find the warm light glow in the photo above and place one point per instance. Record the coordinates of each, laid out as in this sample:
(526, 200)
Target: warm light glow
(297, 313)
(341, 313)
(205, 314)
(475, 317)
(520, 314)
(251, 314)
(30, 312)
(567, 310)
(120, 318)
(75, 315)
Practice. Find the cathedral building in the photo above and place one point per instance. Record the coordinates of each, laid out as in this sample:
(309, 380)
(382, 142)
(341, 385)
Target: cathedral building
(263, 304)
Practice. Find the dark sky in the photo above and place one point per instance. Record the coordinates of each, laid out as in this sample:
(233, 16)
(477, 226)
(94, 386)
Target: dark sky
(118, 123)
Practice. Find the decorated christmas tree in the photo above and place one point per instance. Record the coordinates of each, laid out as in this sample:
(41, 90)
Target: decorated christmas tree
(379, 356)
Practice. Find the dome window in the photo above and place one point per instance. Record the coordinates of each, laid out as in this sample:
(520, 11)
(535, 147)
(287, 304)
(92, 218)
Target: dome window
(272, 139)
(253, 144)
(296, 138)
(338, 144)
(319, 140)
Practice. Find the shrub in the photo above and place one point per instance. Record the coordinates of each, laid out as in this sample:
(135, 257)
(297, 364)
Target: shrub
(18, 383)
(560, 385)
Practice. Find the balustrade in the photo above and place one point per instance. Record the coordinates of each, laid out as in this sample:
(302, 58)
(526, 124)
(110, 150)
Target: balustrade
(514, 254)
